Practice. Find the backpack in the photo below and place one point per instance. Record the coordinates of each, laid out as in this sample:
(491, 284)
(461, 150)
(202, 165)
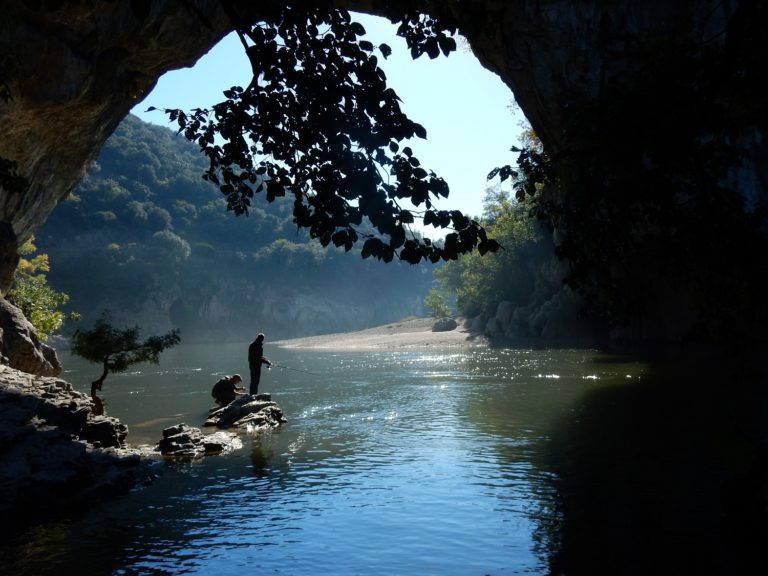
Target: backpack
(217, 388)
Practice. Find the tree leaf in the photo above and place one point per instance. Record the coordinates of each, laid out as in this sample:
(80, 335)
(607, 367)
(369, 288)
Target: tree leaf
(447, 44)
(432, 48)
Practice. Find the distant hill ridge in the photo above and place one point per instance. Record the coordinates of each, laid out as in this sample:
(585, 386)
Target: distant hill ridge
(146, 237)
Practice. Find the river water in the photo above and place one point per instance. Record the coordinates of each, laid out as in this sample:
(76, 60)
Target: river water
(445, 462)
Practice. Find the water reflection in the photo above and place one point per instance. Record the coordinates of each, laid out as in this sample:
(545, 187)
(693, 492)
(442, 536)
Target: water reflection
(520, 398)
(480, 462)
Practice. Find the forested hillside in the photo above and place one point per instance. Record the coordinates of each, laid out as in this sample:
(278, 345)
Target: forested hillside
(146, 238)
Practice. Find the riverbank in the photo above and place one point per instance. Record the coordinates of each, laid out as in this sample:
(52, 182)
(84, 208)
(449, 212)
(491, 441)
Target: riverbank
(56, 454)
(60, 455)
(407, 333)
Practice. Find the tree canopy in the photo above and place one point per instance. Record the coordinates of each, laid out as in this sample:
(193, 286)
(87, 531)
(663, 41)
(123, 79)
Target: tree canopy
(37, 299)
(477, 287)
(318, 123)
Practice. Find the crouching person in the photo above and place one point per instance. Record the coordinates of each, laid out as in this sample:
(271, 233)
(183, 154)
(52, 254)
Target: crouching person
(227, 389)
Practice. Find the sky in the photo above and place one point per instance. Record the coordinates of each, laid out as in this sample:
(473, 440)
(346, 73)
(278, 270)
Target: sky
(469, 114)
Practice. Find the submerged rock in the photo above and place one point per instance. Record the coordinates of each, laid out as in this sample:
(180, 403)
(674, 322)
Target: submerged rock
(248, 413)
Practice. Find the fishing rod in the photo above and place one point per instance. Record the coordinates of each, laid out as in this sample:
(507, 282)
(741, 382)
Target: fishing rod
(296, 369)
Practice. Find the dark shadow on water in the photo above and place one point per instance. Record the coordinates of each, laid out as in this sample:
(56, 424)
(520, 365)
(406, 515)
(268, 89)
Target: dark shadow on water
(665, 476)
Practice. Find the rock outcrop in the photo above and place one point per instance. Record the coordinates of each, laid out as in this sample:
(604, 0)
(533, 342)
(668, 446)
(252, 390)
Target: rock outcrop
(55, 454)
(20, 346)
(248, 413)
(186, 442)
(444, 325)
(553, 319)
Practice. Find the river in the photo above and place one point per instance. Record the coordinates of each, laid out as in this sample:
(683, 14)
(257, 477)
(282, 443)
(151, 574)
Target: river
(445, 462)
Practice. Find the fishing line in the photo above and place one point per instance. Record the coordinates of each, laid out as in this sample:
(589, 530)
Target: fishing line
(296, 369)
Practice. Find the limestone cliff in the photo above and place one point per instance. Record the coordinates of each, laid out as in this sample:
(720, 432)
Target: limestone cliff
(72, 72)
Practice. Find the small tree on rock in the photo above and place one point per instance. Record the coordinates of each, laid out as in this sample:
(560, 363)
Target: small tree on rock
(117, 349)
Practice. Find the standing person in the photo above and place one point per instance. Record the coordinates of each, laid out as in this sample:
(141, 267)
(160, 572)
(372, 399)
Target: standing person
(255, 360)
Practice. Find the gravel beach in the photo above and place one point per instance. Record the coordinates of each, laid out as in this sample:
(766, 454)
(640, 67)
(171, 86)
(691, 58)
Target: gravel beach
(406, 333)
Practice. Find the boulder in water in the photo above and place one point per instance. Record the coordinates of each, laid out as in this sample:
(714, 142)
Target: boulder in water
(248, 413)
(187, 442)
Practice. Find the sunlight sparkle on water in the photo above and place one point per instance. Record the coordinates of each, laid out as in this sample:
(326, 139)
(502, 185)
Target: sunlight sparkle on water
(296, 446)
(408, 463)
(312, 410)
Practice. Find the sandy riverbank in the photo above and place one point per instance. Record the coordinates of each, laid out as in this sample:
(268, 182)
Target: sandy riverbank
(406, 333)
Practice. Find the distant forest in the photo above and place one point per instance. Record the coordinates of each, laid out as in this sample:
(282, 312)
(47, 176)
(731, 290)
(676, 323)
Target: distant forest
(145, 237)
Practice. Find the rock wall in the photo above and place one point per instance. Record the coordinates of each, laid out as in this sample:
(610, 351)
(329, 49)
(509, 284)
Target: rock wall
(550, 313)
(73, 71)
(20, 347)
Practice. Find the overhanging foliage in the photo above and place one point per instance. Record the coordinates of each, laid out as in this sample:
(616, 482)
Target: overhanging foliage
(319, 123)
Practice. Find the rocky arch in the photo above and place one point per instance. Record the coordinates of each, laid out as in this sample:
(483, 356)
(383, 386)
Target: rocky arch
(69, 72)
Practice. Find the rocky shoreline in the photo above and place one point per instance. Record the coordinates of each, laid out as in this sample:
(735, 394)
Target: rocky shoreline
(57, 455)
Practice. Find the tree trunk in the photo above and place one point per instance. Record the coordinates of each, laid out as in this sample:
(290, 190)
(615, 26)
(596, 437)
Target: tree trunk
(96, 384)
